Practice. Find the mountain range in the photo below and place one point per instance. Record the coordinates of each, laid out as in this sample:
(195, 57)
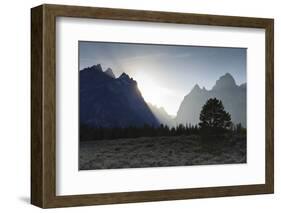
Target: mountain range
(107, 101)
(233, 97)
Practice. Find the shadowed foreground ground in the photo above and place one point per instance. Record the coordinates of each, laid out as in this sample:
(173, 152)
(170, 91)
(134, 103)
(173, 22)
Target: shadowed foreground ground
(159, 152)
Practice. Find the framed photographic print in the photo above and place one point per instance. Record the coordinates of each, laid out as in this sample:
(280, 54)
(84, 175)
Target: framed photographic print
(135, 106)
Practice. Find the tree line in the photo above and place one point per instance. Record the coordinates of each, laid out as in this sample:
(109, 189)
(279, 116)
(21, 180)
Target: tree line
(214, 122)
(99, 133)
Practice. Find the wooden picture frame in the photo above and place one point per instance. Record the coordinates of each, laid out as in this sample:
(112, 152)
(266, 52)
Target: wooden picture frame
(43, 105)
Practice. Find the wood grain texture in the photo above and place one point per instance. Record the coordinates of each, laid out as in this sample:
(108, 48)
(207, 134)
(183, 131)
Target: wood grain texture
(36, 106)
(43, 105)
(269, 118)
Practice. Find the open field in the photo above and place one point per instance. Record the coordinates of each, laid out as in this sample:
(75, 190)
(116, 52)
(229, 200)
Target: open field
(160, 152)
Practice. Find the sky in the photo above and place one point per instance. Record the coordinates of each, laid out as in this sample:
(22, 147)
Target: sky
(166, 73)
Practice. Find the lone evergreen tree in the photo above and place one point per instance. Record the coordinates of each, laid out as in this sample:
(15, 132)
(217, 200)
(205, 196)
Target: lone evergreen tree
(214, 120)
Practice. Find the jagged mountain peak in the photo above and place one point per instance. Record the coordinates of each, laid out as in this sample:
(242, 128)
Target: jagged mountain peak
(195, 89)
(109, 72)
(232, 96)
(224, 82)
(97, 67)
(93, 68)
(108, 102)
(125, 78)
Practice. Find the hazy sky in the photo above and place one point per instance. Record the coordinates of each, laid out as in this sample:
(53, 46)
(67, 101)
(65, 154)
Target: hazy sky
(166, 73)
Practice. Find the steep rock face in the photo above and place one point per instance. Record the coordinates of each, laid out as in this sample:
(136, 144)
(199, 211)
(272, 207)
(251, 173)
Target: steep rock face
(106, 101)
(232, 96)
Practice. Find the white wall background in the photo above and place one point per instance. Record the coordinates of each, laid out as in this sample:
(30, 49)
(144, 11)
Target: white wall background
(15, 105)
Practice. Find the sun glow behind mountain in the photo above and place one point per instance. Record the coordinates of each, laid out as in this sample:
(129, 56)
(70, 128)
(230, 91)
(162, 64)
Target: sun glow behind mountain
(165, 73)
(157, 94)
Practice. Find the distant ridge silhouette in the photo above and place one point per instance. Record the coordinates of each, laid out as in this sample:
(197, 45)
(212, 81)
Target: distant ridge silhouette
(225, 89)
(107, 101)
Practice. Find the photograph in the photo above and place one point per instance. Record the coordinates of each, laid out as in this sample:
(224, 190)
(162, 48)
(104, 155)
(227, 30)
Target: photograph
(160, 105)
(140, 105)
